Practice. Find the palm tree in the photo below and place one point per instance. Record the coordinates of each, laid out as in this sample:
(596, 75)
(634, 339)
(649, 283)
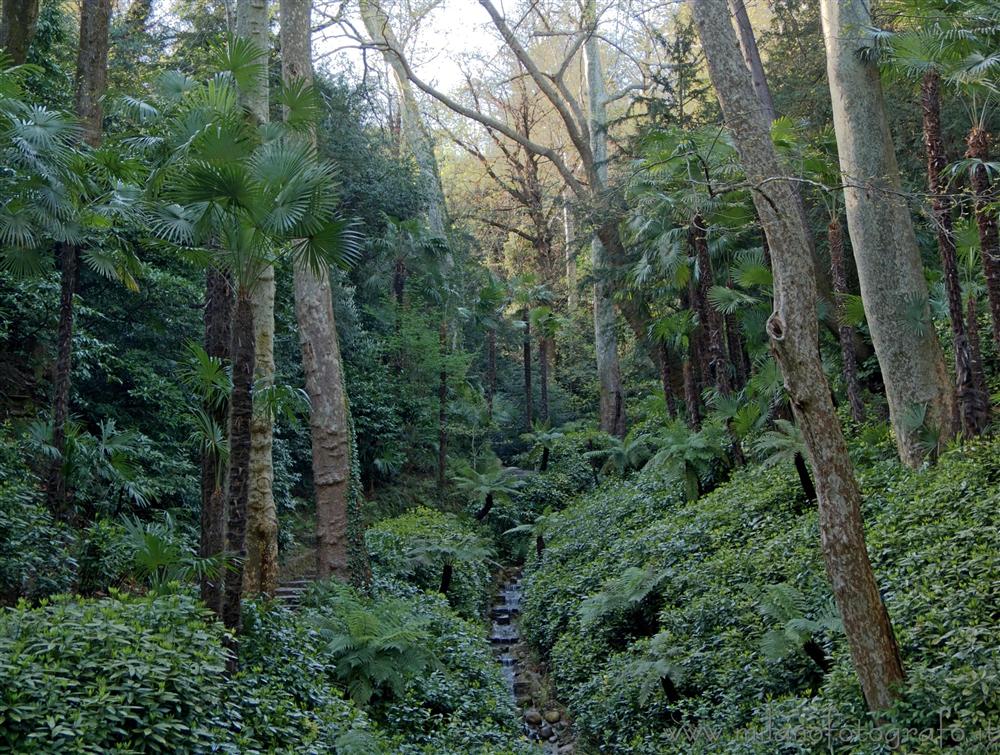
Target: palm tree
(689, 454)
(486, 486)
(251, 195)
(544, 437)
(935, 50)
(785, 443)
(65, 200)
(623, 454)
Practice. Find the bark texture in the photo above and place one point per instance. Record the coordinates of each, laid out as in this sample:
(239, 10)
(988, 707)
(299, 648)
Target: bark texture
(526, 364)
(329, 421)
(972, 405)
(218, 334)
(890, 271)
(18, 22)
(612, 418)
(793, 330)
(751, 55)
(986, 219)
(261, 570)
(845, 333)
(56, 489)
(710, 321)
(92, 68)
(240, 418)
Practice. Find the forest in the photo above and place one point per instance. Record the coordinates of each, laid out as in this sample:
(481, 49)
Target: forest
(553, 376)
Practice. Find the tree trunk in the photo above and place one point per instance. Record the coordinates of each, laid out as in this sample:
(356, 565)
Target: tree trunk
(322, 364)
(57, 492)
(691, 408)
(442, 461)
(526, 359)
(376, 23)
(665, 382)
(845, 333)
(986, 219)
(92, 68)
(218, 318)
(751, 55)
(491, 370)
(543, 380)
(546, 453)
(240, 419)
(446, 574)
(972, 407)
(794, 335)
(890, 271)
(972, 328)
(605, 339)
(261, 569)
(805, 480)
(572, 296)
(486, 508)
(17, 28)
(710, 321)
(737, 351)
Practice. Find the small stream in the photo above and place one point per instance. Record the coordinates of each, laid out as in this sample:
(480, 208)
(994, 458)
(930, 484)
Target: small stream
(546, 727)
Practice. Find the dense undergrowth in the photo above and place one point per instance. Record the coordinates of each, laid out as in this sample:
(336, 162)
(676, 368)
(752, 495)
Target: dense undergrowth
(706, 626)
(397, 671)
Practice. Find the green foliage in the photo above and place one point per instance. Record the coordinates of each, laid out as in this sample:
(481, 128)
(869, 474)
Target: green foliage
(415, 546)
(743, 574)
(377, 649)
(120, 674)
(781, 444)
(161, 556)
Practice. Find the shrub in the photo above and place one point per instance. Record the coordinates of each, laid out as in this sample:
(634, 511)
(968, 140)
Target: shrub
(932, 537)
(125, 673)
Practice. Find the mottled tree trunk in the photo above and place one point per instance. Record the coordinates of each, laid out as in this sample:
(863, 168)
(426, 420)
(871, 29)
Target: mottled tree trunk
(612, 419)
(92, 68)
(572, 296)
(794, 335)
(241, 351)
(751, 55)
(17, 28)
(57, 492)
(845, 333)
(972, 406)
(322, 364)
(890, 271)
(218, 318)
(986, 219)
(261, 569)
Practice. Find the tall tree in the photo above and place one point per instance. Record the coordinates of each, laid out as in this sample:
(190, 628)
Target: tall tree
(893, 288)
(91, 83)
(260, 573)
(18, 21)
(321, 359)
(793, 331)
(612, 417)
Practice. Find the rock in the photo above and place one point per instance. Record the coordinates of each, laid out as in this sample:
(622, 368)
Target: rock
(566, 749)
(553, 739)
(533, 717)
(546, 731)
(552, 716)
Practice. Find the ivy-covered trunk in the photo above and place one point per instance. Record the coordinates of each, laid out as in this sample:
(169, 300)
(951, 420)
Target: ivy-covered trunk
(794, 335)
(241, 351)
(709, 320)
(973, 408)
(261, 568)
(986, 219)
(218, 316)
